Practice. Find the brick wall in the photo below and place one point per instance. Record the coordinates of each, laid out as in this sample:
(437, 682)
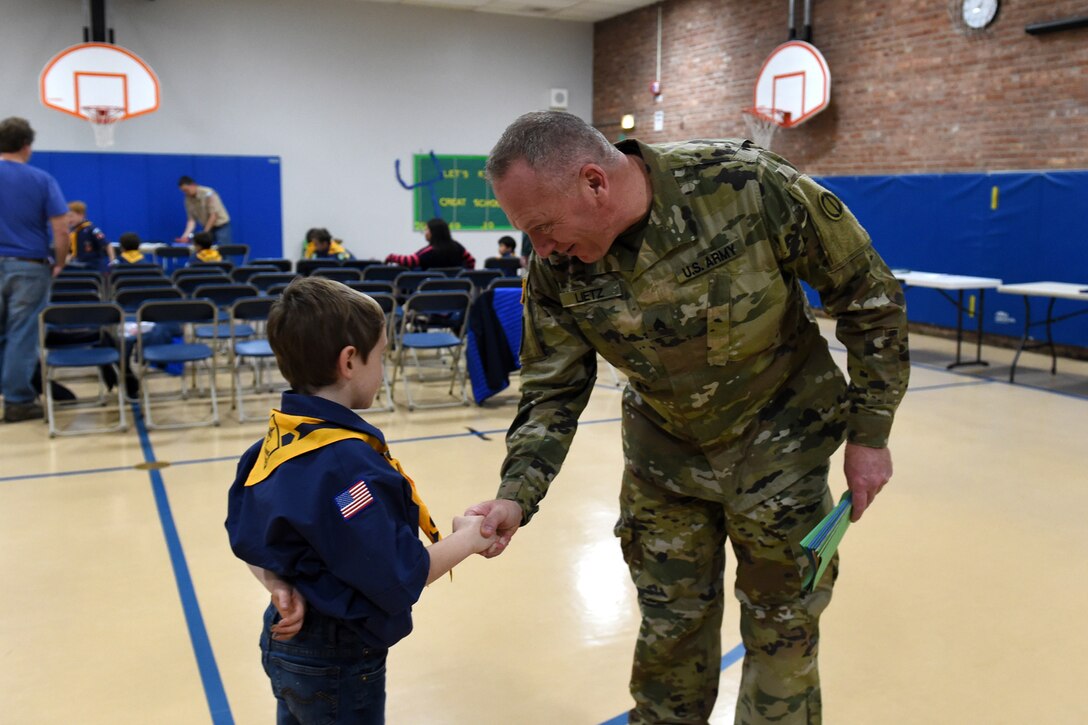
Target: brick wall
(910, 92)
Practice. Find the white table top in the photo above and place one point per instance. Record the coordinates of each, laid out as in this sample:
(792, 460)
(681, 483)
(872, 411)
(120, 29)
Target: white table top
(1066, 290)
(937, 280)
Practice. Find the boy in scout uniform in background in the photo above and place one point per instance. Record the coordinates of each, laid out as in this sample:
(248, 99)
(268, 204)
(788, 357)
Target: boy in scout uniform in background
(681, 264)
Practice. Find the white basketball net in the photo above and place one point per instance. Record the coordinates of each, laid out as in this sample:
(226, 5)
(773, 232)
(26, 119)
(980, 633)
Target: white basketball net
(762, 123)
(103, 120)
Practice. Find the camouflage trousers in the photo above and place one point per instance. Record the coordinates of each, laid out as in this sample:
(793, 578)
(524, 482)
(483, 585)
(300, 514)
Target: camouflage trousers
(674, 545)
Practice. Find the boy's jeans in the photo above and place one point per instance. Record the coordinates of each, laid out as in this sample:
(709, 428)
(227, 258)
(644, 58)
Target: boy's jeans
(324, 674)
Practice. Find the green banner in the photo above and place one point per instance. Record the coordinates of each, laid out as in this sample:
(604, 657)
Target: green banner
(457, 192)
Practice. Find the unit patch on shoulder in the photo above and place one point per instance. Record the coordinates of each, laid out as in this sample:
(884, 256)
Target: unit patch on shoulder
(831, 205)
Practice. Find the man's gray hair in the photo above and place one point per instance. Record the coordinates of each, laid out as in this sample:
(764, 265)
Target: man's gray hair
(553, 143)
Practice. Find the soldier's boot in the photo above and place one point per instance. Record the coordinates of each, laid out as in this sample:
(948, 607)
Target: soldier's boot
(675, 549)
(780, 682)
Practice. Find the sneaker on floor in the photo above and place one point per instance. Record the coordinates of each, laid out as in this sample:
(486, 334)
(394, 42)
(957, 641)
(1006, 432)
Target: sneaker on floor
(15, 412)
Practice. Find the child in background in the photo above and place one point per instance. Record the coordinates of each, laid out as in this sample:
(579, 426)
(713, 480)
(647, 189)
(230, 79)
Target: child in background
(204, 248)
(348, 539)
(506, 247)
(321, 245)
(90, 249)
(130, 249)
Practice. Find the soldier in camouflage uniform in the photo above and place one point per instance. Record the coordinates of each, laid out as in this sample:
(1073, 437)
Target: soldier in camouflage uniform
(681, 264)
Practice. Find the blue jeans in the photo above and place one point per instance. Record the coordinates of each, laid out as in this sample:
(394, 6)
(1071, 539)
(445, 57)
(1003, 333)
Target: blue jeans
(24, 292)
(325, 674)
(222, 234)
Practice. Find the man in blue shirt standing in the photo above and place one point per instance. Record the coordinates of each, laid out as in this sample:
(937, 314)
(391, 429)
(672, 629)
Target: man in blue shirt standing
(32, 211)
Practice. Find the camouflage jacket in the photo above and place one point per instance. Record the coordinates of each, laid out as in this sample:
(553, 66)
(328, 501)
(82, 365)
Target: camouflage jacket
(703, 309)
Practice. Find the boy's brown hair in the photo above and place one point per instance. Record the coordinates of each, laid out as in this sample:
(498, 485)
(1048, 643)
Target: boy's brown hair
(78, 207)
(312, 321)
(129, 241)
(203, 240)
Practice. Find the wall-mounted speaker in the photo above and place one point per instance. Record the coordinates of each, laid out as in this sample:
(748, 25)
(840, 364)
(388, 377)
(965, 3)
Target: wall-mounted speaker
(558, 99)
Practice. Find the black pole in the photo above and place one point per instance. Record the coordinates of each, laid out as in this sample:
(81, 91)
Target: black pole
(98, 21)
(1055, 26)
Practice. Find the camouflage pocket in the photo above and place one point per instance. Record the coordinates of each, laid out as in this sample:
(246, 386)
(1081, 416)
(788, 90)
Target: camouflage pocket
(744, 315)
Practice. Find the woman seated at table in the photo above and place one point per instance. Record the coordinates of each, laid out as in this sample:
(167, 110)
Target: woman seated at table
(442, 250)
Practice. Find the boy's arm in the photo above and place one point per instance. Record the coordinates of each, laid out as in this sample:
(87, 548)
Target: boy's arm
(288, 601)
(465, 541)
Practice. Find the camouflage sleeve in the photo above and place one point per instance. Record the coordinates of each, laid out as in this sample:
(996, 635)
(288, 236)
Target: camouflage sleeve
(558, 371)
(820, 241)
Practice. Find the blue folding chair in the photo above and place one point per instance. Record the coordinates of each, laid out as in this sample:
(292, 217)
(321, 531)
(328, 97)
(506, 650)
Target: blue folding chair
(266, 280)
(249, 313)
(74, 284)
(186, 314)
(509, 266)
(103, 321)
(236, 254)
(131, 299)
(172, 257)
(383, 272)
(223, 296)
(417, 332)
(481, 278)
(388, 303)
(281, 264)
(189, 283)
(305, 267)
(340, 274)
(241, 275)
(407, 283)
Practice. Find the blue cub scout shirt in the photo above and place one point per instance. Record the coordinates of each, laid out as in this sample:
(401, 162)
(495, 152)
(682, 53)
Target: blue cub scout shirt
(328, 513)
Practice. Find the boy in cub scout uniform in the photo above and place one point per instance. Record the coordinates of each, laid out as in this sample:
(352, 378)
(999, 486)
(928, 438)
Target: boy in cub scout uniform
(89, 246)
(204, 249)
(681, 264)
(322, 505)
(130, 249)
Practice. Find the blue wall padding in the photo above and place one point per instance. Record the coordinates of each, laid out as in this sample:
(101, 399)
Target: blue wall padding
(139, 193)
(945, 223)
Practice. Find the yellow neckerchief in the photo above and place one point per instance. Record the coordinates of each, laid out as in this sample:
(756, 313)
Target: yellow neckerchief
(132, 256)
(293, 435)
(335, 249)
(209, 255)
(72, 237)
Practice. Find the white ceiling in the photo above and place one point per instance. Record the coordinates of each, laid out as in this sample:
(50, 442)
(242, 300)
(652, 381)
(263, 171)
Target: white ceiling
(587, 11)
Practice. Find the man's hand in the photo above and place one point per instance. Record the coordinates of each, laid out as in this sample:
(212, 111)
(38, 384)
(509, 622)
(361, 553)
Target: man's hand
(867, 470)
(501, 517)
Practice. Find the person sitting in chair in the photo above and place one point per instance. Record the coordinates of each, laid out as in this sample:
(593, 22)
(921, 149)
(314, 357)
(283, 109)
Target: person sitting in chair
(442, 250)
(204, 248)
(130, 249)
(321, 245)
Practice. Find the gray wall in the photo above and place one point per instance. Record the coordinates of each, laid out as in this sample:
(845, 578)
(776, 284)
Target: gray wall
(338, 88)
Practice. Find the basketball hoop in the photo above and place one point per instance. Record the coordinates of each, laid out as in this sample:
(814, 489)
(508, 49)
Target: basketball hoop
(763, 122)
(103, 119)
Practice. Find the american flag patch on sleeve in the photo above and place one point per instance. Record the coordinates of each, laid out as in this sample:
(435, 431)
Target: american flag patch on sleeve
(353, 500)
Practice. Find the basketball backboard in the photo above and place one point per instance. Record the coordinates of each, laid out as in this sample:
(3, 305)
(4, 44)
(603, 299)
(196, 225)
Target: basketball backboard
(98, 75)
(795, 81)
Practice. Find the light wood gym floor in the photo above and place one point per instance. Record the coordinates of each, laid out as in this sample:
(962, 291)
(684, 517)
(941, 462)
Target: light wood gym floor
(961, 598)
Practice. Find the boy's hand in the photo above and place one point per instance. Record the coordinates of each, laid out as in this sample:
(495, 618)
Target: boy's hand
(479, 543)
(501, 517)
(292, 608)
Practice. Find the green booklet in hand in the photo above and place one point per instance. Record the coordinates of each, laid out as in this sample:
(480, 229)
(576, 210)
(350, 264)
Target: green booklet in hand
(820, 543)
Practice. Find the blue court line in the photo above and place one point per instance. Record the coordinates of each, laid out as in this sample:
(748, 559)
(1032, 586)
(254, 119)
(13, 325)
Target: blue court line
(731, 657)
(58, 474)
(198, 635)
